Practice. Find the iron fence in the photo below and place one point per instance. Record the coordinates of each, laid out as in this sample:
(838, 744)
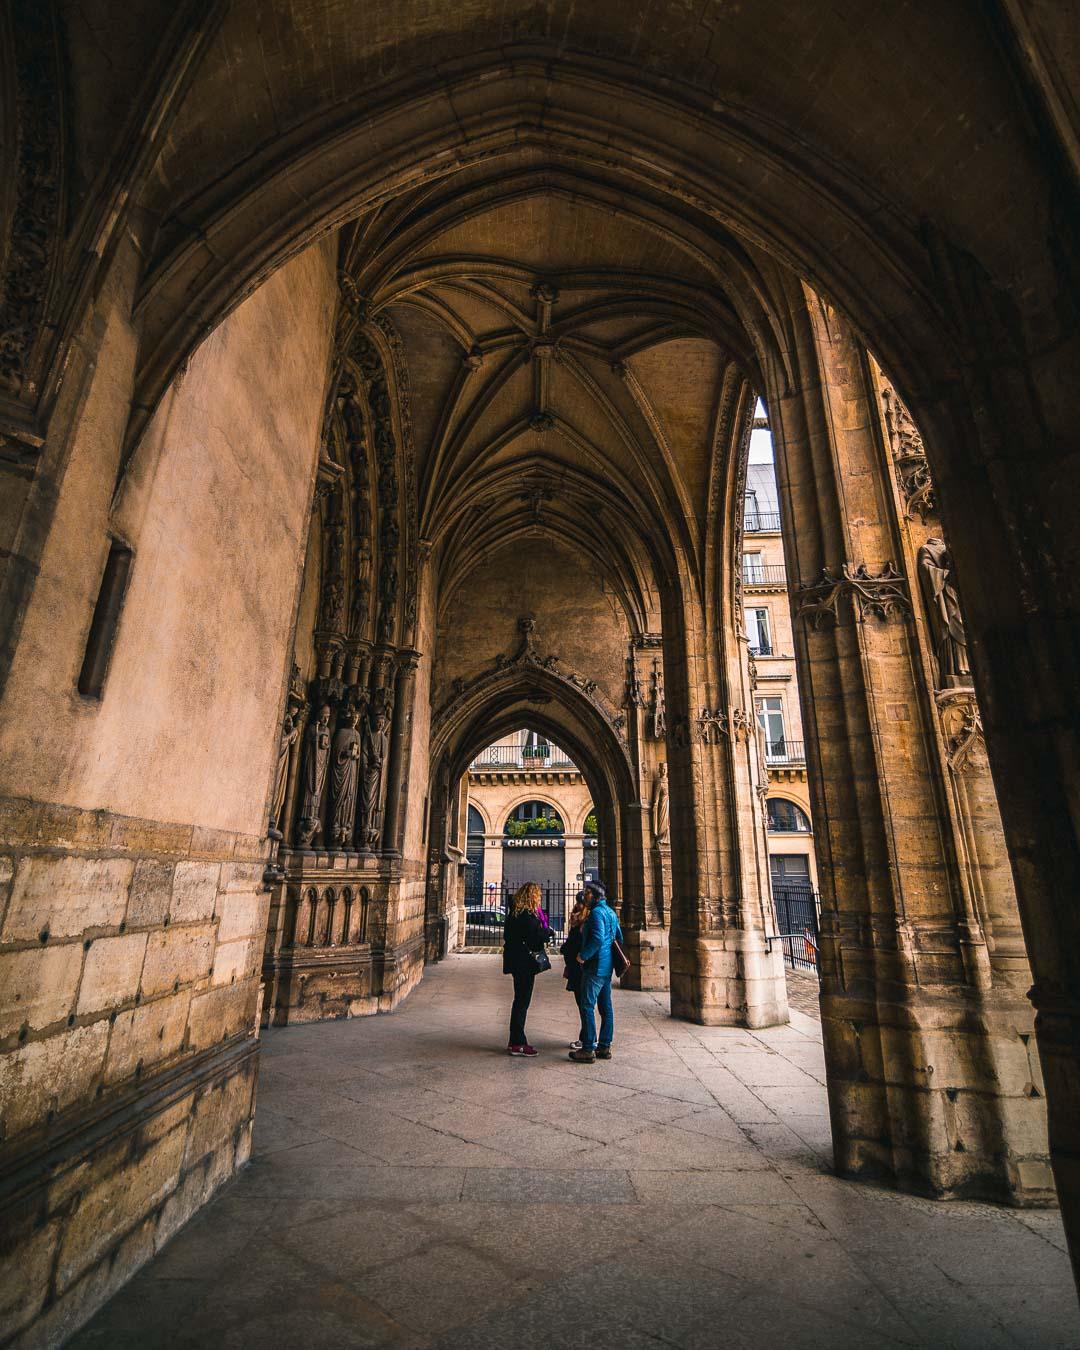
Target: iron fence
(797, 924)
(486, 915)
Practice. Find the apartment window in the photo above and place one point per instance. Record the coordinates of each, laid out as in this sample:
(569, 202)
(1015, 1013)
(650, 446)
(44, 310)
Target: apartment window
(752, 569)
(757, 630)
(770, 712)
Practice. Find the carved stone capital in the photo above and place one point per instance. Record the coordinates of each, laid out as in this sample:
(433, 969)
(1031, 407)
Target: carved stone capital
(877, 595)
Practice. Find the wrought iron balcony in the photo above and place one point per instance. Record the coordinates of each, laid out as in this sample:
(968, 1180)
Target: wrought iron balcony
(761, 522)
(513, 756)
(765, 574)
(784, 753)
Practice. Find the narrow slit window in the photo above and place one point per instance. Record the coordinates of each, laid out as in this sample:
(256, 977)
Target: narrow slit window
(106, 620)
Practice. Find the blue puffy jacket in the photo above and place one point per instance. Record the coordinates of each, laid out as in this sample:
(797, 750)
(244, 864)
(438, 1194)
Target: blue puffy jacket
(601, 930)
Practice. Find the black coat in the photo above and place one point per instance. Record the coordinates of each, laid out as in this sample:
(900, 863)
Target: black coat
(523, 934)
(570, 949)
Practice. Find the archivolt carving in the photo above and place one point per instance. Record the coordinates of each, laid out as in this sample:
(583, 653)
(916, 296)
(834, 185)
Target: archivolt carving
(874, 595)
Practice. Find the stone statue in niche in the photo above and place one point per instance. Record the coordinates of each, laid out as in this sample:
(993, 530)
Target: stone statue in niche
(938, 581)
(376, 743)
(661, 807)
(289, 732)
(346, 767)
(316, 758)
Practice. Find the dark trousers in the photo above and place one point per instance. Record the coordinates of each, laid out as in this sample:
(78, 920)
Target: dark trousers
(579, 994)
(523, 990)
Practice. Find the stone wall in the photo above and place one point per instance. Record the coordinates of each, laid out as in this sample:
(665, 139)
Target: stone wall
(132, 838)
(577, 617)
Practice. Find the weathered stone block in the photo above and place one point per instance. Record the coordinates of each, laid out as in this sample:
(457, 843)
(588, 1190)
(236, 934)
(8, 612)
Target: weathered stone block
(50, 1075)
(151, 893)
(117, 1203)
(194, 895)
(183, 954)
(241, 916)
(217, 1013)
(66, 896)
(233, 960)
(142, 1037)
(112, 972)
(24, 1282)
(217, 1113)
(37, 987)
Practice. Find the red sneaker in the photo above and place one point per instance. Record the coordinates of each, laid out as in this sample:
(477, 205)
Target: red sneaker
(529, 1050)
(515, 1049)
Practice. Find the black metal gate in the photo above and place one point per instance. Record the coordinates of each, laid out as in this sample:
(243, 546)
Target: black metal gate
(484, 918)
(797, 924)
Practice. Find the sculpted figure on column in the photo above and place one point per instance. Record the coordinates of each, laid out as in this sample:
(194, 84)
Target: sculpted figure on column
(942, 598)
(316, 757)
(346, 760)
(376, 744)
(661, 808)
(289, 733)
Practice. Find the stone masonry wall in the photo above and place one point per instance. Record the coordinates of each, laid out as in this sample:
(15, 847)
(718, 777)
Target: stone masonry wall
(132, 827)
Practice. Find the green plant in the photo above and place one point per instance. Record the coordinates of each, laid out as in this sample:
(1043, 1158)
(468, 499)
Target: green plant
(590, 824)
(544, 825)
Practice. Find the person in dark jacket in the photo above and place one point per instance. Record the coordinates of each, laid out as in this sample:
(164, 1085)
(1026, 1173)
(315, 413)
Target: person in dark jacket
(597, 967)
(569, 950)
(524, 937)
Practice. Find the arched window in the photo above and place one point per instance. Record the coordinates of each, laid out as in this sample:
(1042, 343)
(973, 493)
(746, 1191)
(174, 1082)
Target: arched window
(787, 818)
(476, 821)
(534, 818)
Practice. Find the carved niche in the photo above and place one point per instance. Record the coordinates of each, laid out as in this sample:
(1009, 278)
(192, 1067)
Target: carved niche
(908, 455)
(962, 727)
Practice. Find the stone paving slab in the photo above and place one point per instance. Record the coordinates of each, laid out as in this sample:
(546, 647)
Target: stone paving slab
(413, 1186)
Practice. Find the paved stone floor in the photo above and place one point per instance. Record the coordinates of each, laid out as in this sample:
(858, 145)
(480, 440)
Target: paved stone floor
(413, 1186)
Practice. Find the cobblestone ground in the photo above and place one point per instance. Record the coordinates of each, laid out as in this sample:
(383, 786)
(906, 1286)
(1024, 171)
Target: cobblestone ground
(802, 992)
(413, 1186)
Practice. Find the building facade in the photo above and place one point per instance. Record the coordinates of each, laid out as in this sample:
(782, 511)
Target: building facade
(771, 638)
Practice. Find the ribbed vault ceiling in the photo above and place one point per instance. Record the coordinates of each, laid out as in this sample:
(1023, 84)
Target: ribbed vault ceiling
(573, 350)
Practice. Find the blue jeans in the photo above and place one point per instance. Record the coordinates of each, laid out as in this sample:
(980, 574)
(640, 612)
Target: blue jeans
(596, 993)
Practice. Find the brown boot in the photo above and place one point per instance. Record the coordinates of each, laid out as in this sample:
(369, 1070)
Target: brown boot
(582, 1056)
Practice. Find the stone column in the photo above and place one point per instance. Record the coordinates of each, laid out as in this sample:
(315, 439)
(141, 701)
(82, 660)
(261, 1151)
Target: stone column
(573, 857)
(723, 969)
(404, 682)
(931, 1083)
